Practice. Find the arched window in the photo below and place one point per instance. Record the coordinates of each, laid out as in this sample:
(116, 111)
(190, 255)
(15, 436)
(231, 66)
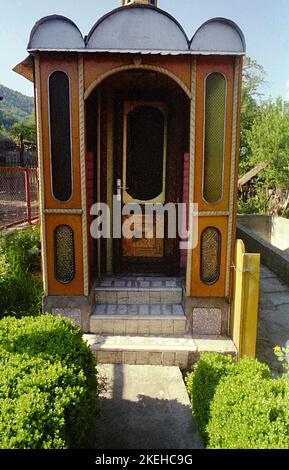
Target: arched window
(210, 255)
(214, 139)
(145, 157)
(64, 254)
(60, 135)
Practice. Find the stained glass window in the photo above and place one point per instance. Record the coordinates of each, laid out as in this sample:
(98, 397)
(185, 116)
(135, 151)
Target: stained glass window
(215, 110)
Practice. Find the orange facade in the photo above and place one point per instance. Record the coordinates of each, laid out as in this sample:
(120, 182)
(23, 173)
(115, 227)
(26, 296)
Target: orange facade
(179, 68)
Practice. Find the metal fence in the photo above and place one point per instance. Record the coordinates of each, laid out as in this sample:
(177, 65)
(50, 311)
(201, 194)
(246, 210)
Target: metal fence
(18, 196)
(12, 158)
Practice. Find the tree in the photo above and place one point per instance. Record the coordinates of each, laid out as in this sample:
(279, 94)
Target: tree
(253, 78)
(26, 128)
(269, 141)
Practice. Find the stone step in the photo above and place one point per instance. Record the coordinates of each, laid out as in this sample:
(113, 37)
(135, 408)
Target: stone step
(182, 352)
(144, 319)
(141, 296)
(139, 290)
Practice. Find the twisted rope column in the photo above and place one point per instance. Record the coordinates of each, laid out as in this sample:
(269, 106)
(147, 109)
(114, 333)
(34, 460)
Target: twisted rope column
(192, 169)
(41, 173)
(83, 175)
(232, 176)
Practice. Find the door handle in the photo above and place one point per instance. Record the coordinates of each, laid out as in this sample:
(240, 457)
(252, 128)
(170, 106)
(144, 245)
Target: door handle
(119, 189)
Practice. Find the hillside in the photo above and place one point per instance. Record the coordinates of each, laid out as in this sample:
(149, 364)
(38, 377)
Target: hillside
(14, 107)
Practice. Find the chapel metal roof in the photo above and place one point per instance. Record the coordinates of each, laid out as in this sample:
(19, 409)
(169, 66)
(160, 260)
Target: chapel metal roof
(137, 28)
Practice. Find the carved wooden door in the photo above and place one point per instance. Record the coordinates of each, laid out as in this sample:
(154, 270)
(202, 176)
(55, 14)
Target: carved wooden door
(143, 178)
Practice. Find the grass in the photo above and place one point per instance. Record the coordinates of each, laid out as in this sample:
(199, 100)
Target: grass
(20, 286)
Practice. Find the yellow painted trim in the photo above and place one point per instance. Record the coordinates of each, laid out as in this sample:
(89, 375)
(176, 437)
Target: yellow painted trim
(233, 189)
(192, 169)
(251, 304)
(244, 319)
(125, 68)
(41, 173)
(109, 194)
(83, 175)
(128, 107)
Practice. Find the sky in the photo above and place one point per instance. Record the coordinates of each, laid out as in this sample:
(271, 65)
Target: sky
(265, 24)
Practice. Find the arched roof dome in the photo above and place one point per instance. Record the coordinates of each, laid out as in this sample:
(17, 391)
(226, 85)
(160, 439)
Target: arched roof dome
(138, 27)
(55, 32)
(218, 35)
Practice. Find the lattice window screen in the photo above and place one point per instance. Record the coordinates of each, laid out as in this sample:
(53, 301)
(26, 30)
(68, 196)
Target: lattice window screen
(210, 255)
(64, 254)
(215, 110)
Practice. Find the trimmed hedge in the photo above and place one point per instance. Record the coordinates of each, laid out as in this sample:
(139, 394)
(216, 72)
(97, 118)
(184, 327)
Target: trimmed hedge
(202, 383)
(238, 405)
(48, 385)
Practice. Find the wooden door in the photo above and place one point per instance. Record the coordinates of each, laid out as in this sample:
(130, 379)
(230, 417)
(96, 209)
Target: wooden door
(143, 183)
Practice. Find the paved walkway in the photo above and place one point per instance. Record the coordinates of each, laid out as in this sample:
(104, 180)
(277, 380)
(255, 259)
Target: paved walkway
(273, 327)
(147, 407)
(144, 407)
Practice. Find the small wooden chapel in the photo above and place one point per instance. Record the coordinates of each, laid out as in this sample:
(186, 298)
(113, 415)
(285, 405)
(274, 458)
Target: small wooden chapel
(138, 110)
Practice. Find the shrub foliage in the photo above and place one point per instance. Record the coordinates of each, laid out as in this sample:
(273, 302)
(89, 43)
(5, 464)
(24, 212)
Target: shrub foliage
(48, 386)
(238, 405)
(20, 288)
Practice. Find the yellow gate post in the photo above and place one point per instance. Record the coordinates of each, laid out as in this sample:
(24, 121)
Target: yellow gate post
(245, 302)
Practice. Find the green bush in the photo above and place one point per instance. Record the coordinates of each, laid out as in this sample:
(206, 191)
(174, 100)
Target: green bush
(202, 383)
(250, 411)
(238, 405)
(21, 249)
(48, 386)
(20, 288)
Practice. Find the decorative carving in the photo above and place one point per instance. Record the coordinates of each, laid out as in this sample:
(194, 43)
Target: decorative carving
(64, 254)
(137, 60)
(210, 255)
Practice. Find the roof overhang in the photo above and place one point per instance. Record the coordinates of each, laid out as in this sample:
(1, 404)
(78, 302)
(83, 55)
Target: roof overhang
(26, 68)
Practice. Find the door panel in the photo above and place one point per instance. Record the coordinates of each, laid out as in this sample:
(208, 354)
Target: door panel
(147, 245)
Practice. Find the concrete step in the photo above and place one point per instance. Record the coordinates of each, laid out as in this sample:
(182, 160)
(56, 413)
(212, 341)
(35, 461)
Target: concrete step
(167, 319)
(155, 350)
(139, 290)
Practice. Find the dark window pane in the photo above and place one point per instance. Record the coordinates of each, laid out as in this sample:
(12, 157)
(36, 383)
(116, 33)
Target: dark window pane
(214, 137)
(145, 153)
(60, 138)
(210, 255)
(64, 254)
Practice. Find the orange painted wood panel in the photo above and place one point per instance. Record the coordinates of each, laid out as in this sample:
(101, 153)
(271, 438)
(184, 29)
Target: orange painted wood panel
(178, 65)
(75, 287)
(205, 66)
(68, 64)
(198, 287)
(96, 65)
